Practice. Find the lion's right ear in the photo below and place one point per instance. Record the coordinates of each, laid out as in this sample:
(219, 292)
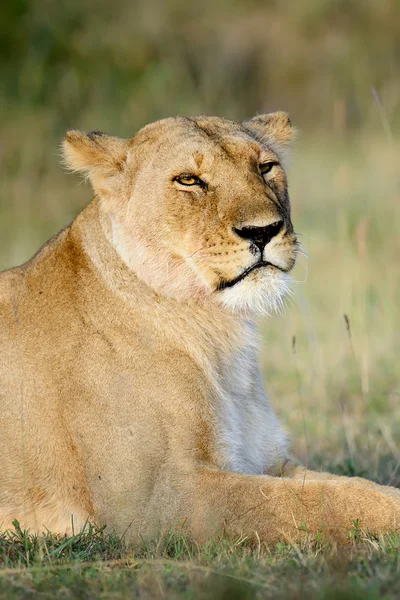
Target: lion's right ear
(272, 128)
(102, 157)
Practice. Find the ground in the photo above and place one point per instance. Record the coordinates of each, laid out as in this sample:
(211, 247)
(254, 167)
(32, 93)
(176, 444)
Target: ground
(96, 565)
(330, 365)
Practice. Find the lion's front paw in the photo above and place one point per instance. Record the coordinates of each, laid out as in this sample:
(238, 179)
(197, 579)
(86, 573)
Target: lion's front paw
(378, 506)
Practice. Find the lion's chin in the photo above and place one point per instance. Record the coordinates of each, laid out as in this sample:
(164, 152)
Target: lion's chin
(261, 293)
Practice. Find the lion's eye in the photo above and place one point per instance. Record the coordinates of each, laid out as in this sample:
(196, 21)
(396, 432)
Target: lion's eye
(187, 179)
(267, 166)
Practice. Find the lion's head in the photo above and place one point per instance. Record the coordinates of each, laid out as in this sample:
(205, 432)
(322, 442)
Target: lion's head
(198, 207)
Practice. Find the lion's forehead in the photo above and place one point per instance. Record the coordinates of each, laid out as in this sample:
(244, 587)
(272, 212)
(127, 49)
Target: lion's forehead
(183, 146)
(212, 125)
(199, 134)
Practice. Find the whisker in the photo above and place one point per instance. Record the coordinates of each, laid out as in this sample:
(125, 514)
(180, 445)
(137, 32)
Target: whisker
(305, 235)
(305, 278)
(200, 249)
(301, 251)
(203, 255)
(201, 260)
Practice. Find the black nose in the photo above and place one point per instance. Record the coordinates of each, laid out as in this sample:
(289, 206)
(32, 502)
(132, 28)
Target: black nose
(260, 236)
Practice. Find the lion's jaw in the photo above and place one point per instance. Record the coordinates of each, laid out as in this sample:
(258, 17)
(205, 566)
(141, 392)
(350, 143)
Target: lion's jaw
(185, 241)
(261, 292)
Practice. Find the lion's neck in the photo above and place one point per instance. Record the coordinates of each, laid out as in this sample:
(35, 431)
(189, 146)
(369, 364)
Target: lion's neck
(212, 327)
(223, 347)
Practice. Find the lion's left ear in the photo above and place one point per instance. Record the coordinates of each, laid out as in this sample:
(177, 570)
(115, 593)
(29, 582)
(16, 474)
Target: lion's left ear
(102, 157)
(273, 128)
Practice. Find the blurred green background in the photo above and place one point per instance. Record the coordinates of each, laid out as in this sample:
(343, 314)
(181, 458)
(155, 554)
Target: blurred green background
(124, 63)
(334, 65)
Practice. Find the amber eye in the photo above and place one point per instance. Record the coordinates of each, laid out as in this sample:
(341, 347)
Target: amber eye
(188, 179)
(267, 166)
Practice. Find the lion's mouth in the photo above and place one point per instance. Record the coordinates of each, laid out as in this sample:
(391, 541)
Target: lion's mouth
(258, 265)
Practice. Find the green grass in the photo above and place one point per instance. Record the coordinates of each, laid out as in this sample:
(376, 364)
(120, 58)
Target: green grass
(95, 564)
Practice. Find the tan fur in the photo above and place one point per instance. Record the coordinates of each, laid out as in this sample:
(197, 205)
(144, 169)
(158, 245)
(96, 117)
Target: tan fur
(129, 387)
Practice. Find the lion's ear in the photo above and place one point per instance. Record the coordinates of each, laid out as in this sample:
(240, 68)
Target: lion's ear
(100, 156)
(273, 128)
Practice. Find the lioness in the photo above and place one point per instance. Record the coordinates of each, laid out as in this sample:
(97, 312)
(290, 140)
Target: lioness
(130, 392)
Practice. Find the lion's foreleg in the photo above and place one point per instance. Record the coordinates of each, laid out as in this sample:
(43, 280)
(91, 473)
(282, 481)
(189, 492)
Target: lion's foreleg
(284, 508)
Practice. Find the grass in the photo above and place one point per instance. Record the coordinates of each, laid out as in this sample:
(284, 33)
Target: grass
(340, 393)
(95, 564)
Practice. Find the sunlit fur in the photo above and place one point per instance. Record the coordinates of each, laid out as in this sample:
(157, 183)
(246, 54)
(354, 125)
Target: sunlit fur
(130, 387)
(198, 248)
(258, 294)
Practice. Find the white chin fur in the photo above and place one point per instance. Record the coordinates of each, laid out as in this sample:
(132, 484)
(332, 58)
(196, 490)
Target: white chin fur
(257, 294)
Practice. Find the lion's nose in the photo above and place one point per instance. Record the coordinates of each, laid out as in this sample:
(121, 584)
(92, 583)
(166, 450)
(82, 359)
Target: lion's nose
(260, 236)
